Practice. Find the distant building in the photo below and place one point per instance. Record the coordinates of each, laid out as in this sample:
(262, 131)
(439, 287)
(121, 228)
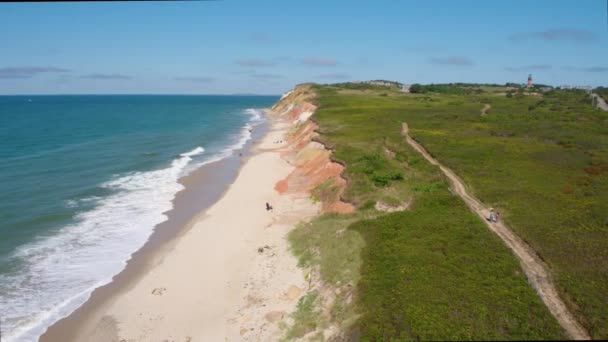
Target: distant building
(545, 89)
(383, 83)
(579, 87)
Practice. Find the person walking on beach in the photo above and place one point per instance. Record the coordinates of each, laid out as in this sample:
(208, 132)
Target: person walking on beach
(268, 206)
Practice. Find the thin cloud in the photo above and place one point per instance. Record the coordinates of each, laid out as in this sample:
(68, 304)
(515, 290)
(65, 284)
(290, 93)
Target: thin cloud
(595, 69)
(552, 35)
(242, 72)
(106, 77)
(255, 62)
(336, 76)
(261, 38)
(364, 61)
(451, 60)
(267, 76)
(197, 79)
(533, 67)
(319, 61)
(28, 72)
(421, 48)
(587, 69)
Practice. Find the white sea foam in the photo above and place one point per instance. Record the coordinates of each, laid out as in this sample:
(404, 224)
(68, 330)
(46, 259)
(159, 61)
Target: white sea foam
(256, 115)
(71, 203)
(194, 152)
(75, 203)
(256, 118)
(59, 272)
(245, 134)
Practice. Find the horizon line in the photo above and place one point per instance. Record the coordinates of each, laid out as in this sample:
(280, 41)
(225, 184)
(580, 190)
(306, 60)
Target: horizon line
(139, 94)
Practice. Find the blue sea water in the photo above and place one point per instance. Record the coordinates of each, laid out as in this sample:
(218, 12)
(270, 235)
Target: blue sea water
(83, 182)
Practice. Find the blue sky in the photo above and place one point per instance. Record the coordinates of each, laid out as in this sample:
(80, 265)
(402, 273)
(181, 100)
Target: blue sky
(266, 47)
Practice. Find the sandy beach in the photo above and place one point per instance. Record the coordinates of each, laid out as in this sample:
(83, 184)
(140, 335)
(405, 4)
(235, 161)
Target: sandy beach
(228, 277)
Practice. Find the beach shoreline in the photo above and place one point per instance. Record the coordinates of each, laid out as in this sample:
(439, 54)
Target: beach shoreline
(130, 305)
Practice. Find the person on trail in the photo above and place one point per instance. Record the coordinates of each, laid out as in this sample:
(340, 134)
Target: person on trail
(492, 218)
(497, 217)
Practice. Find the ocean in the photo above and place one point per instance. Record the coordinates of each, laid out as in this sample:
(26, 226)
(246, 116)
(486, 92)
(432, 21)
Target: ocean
(84, 179)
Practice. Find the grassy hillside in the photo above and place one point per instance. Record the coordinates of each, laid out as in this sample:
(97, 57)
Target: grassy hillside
(543, 163)
(435, 272)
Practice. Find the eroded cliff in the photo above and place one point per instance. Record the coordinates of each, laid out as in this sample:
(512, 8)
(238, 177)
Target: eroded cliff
(315, 173)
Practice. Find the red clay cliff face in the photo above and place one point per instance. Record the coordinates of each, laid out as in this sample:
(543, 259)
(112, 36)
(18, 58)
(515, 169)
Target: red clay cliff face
(313, 166)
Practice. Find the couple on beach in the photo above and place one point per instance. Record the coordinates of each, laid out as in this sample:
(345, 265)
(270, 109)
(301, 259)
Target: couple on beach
(494, 217)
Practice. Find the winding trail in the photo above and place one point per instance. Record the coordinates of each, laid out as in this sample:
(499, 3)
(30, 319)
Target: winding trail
(601, 104)
(485, 109)
(535, 269)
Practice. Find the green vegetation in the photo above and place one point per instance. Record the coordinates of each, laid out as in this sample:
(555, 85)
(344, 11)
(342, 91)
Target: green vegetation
(326, 192)
(437, 273)
(458, 88)
(306, 317)
(369, 86)
(441, 89)
(326, 245)
(541, 159)
(543, 162)
(602, 91)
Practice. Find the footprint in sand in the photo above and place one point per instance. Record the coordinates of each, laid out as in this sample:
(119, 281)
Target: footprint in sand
(274, 316)
(292, 293)
(159, 291)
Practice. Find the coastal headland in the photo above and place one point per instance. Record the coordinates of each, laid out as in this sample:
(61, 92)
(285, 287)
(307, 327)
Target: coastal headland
(369, 237)
(229, 274)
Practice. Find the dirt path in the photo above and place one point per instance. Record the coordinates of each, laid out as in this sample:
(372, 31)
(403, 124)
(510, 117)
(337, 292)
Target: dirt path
(485, 109)
(535, 269)
(600, 102)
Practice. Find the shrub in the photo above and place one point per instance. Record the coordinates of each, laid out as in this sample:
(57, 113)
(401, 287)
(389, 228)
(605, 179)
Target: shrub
(417, 89)
(383, 178)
